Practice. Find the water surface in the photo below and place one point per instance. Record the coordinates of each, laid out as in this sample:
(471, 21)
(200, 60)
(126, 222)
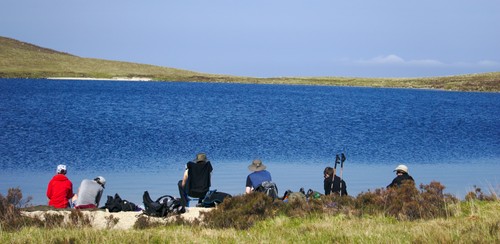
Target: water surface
(139, 135)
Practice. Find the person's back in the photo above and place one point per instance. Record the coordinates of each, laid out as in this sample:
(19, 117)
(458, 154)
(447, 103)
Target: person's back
(196, 180)
(90, 192)
(199, 177)
(400, 179)
(259, 175)
(256, 178)
(60, 189)
(401, 176)
(336, 186)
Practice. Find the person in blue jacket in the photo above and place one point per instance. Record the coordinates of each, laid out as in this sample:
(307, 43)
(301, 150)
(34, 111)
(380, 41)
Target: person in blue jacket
(259, 175)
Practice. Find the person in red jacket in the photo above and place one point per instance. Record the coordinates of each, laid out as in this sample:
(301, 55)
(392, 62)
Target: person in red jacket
(60, 189)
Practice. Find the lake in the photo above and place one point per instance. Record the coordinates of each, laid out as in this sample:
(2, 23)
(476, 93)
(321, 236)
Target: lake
(139, 135)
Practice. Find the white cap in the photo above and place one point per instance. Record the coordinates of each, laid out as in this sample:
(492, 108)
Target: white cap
(61, 168)
(100, 180)
(402, 167)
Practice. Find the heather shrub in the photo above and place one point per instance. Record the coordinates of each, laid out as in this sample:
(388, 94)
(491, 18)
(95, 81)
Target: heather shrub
(406, 202)
(111, 221)
(241, 212)
(78, 219)
(478, 194)
(370, 203)
(10, 215)
(434, 202)
(53, 220)
(144, 222)
(334, 204)
(299, 207)
(402, 202)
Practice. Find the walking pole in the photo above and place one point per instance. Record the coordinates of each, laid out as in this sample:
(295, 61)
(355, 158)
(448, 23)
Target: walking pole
(337, 161)
(341, 171)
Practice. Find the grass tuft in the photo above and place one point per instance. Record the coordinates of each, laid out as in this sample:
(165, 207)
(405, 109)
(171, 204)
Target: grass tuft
(78, 219)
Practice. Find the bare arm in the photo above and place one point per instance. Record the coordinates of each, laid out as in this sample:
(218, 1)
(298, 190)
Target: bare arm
(184, 178)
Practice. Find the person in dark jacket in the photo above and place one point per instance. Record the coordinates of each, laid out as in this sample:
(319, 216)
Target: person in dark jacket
(401, 175)
(196, 179)
(337, 183)
(60, 188)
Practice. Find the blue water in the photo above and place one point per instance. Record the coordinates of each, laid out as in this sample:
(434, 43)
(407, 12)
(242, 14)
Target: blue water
(139, 135)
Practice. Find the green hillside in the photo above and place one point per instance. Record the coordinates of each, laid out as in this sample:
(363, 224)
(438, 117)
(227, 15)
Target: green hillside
(20, 59)
(23, 60)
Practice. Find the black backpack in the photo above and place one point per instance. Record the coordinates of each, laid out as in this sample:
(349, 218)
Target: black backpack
(214, 197)
(162, 206)
(269, 188)
(117, 204)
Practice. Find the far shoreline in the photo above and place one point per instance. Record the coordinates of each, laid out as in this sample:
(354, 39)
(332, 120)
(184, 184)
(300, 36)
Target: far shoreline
(111, 79)
(143, 79)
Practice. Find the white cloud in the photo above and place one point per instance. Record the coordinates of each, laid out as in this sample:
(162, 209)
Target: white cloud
(390, 59)
(395, 59)
(488, 63)
(425, 62)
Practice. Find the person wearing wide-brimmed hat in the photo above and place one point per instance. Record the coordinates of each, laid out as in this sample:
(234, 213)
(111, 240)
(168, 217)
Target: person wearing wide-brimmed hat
(259, 175)
(60, 188)
(401, 175)
(196, 179)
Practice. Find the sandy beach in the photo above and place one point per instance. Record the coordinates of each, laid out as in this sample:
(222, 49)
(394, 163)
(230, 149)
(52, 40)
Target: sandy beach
(126, 220)
(90, 78)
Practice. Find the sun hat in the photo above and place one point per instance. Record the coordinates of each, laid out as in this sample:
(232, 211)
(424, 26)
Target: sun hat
(61, 169)
(402, 167)
(200, 157)
(256, 165)
(100, 180)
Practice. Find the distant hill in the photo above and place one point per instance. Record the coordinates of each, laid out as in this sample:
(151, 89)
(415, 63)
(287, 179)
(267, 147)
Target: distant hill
(21, 59)
(24, 60)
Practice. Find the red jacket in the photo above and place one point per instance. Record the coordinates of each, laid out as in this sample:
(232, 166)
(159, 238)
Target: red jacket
(59, 191)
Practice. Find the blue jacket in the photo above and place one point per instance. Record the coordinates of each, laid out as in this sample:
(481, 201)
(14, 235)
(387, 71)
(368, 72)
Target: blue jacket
(256, 178)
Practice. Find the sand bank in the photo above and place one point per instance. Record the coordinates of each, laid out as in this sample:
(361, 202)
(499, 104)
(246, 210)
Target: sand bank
(101, 218)
(114, 78)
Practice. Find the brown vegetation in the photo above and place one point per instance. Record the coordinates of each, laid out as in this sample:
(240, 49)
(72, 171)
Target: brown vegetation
(404, 203)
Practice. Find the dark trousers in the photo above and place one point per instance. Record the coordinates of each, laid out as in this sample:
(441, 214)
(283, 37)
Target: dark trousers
(185, 194)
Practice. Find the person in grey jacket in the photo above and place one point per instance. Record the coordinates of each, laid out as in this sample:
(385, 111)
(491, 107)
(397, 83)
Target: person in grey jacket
(89, 193)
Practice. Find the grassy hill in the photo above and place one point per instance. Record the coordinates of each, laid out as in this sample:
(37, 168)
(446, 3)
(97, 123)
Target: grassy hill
(23, 60)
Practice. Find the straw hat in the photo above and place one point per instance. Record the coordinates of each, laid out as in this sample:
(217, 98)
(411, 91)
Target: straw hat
(256, 165)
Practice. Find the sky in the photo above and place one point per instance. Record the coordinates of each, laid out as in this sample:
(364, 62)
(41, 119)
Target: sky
(273, 38)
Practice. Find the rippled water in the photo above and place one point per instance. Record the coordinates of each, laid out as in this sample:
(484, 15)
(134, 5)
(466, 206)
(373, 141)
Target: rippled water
(140, 134)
